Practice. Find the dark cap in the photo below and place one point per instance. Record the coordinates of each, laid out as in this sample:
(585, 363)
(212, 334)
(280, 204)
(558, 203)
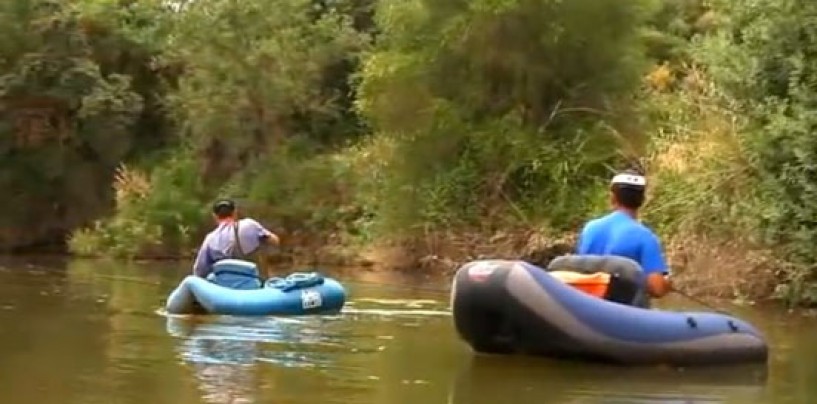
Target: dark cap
(223, 207)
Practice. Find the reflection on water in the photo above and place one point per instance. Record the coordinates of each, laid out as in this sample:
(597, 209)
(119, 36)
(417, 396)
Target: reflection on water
(89, 333)
(223, 350)
(285, 342)
(225, 353)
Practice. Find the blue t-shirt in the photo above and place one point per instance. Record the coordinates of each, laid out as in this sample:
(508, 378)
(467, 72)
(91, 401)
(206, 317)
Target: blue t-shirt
(619, 234)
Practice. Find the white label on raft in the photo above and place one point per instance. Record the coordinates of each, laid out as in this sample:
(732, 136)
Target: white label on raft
(311, 299)
(481, 270)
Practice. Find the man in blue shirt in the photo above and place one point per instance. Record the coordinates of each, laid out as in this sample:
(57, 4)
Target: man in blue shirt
(620, 233)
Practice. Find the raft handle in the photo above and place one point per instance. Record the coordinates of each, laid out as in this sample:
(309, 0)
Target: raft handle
(732, 326)
(692, 323)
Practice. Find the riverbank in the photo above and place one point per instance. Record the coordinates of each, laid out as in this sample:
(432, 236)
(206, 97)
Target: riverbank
(700, 267)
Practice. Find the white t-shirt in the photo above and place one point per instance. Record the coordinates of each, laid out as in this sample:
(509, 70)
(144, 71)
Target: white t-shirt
(220, 243)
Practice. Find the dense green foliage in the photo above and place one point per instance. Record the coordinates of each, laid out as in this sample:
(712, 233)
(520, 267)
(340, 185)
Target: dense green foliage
(495, 108)
(362, 120)
(75, 93)
(387, 119)
(764, 59)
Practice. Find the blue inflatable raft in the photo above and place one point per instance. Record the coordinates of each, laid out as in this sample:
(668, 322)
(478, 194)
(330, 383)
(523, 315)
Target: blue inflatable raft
(234, 288)
(512, 307)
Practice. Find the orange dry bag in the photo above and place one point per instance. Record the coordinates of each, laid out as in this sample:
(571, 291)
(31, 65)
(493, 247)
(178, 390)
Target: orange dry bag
(595, 284)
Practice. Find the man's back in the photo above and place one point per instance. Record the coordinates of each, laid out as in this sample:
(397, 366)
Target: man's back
(619, 234)
(222, 238)
(220, 243)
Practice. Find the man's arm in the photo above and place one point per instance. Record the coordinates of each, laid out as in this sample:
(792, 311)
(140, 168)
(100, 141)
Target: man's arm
(655, 267)
(262, 232)
(201, 266)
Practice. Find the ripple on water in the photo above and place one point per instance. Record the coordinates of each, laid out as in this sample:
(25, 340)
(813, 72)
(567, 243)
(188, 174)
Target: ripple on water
(246, 341)
(383, 309)
(294, 342)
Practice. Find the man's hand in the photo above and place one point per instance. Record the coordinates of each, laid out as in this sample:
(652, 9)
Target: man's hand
(658, 285)
(273, 239)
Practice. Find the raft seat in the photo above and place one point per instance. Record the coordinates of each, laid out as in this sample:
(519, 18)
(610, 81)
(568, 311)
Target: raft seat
(595, 284)
(624, 283)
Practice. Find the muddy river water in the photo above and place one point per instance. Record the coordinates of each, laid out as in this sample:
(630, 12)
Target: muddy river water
(94, 332)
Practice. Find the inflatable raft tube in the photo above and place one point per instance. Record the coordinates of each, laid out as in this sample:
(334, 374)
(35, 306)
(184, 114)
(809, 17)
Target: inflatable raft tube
(625, 271)
(512, 307)
(297, 294)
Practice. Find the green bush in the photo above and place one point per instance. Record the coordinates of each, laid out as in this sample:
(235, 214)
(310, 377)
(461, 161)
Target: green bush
(298, 187)
(762, 60)
(159, 213)
(500, 112)
(257, 99)
(705, 183)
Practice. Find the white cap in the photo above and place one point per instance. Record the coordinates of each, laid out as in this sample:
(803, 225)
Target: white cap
(630, 179)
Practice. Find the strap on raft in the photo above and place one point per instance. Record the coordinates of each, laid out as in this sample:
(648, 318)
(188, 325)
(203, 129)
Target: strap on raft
(294, 281)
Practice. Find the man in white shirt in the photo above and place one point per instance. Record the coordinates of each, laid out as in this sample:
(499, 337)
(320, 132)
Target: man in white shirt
(232, 238)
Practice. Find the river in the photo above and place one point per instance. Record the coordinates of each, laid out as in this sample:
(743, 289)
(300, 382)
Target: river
(94, 332)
